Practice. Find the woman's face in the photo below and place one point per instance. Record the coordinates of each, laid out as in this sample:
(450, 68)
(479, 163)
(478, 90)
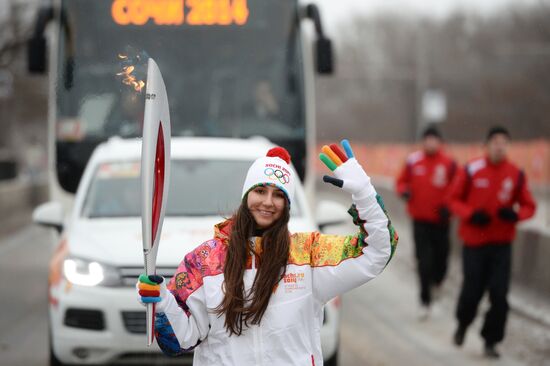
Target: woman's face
(266, 204)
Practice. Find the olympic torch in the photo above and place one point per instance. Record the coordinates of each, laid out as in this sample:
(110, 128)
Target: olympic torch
(155, 174)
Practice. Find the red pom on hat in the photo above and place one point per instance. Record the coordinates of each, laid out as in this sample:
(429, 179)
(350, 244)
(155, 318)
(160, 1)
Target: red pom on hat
(279, 152)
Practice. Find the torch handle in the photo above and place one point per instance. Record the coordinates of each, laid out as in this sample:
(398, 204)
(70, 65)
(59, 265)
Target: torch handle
(150, 314)
(150, 310)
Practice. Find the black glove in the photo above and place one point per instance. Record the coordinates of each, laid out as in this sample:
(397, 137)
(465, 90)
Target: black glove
(406, 195)
(444, 213)
(480, 218)
(508, 214)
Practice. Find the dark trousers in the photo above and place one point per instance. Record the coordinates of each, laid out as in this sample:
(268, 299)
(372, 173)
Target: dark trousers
(432, 252)
(486, 268)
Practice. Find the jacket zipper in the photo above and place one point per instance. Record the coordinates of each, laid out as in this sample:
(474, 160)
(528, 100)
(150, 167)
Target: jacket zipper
(255, 329)
(253, 243)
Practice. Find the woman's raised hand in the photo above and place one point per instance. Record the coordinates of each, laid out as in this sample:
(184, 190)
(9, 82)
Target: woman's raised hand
(348, 173)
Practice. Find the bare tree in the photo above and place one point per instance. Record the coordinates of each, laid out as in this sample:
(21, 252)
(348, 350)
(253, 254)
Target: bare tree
(17, 90)
(15, 27)
(493, 70)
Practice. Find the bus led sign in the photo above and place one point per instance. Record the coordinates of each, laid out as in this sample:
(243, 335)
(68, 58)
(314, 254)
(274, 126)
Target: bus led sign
(178, 12)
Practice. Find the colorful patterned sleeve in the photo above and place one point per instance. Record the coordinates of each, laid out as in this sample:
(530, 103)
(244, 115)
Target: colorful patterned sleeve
(341, 263)
(184, 323)
(166, 337)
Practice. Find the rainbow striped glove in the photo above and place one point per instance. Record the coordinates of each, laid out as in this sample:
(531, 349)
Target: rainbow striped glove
(152, 290)
(348, 173)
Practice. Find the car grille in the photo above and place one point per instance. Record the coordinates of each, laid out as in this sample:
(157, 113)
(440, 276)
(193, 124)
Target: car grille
(85, 319)
(134, 321)
(130, 275)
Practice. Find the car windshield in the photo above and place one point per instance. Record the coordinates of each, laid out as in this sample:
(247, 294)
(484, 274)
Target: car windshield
(197, 188)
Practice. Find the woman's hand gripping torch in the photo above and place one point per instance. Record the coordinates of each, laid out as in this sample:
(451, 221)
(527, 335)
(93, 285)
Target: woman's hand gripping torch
(155, 174)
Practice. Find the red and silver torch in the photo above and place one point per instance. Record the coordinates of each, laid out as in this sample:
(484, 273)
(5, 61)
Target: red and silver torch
(155, 174)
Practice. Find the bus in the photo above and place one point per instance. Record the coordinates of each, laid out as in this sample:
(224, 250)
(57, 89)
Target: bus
(233, 68)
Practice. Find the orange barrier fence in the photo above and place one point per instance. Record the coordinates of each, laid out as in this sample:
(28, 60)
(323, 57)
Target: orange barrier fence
(388, 159)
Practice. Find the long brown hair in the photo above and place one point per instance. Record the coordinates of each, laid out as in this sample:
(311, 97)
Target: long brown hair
(245, 309)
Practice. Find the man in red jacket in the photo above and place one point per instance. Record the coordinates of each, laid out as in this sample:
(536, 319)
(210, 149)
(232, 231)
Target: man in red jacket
(489, 196)
(424, 183)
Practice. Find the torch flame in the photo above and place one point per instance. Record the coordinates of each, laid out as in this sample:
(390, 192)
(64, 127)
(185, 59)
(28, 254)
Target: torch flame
(128, 78)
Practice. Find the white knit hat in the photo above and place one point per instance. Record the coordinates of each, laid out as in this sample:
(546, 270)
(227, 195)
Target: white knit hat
(273, 169)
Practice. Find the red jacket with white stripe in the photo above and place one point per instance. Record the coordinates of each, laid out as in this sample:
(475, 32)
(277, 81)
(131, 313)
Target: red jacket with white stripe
(427, 179)
(488, 186)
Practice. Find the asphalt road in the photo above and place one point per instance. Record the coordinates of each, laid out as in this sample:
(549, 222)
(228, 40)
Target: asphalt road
(379, 327)
(23, 287)
(381, 324)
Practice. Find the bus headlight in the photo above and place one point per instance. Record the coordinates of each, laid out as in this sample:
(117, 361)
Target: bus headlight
(89, 273)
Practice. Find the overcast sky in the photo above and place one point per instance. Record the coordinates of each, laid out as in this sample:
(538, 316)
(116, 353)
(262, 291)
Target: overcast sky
(334, 11)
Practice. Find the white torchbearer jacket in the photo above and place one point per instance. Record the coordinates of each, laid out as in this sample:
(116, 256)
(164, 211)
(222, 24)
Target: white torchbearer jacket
(319, 268)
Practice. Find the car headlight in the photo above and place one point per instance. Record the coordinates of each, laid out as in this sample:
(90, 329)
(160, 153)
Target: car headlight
(90, 273)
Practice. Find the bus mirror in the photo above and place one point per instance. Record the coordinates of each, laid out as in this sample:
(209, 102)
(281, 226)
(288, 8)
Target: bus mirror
(36, 46)
(323, 46)
(324, 56)
(36, 55)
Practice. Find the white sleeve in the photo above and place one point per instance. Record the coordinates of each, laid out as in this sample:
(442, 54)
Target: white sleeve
(343, 263)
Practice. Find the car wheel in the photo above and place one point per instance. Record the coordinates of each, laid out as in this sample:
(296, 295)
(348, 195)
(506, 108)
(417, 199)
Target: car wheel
(333, 360)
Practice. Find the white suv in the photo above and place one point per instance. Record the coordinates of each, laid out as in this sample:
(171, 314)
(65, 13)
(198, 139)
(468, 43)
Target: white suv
(94, 315)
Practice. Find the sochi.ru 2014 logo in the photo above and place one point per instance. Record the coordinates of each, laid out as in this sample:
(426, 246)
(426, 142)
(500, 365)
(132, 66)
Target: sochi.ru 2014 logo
(294, 281)
(277, 174)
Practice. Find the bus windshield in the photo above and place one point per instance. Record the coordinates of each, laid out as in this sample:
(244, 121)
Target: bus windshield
(237, 79)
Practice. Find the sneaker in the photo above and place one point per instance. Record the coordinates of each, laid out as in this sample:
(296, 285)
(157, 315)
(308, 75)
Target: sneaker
(436, 293)
(491, 352)
(423, 312)
(460, 333)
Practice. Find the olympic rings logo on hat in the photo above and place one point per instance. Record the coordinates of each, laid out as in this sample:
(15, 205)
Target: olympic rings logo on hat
(276, 174)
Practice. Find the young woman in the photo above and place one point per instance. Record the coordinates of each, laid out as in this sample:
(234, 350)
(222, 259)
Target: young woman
(254, 294)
